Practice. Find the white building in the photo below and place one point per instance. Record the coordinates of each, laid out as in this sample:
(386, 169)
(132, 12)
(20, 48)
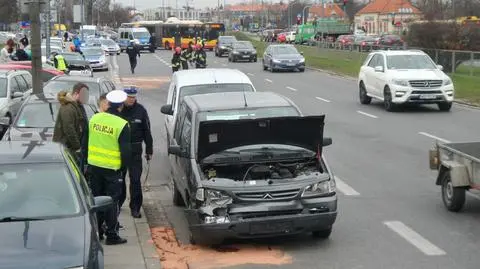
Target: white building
(162, 13)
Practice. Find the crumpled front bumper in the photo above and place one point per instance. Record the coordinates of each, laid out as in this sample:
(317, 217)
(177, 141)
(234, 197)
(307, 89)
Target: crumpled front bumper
(266, 219)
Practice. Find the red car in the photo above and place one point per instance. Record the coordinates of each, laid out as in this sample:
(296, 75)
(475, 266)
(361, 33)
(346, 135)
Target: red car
(48, 72)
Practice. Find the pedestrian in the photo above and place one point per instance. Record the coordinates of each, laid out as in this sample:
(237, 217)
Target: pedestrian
(103, 103)
(200, 57)
(108, 152)
(59, 62)
(71, 125)
(132, 52)
(137, 117)
(176, 59)
(184, 56)
(191, 52)
(24, 41)
(153, 43)
(65, 36)
(7, 51)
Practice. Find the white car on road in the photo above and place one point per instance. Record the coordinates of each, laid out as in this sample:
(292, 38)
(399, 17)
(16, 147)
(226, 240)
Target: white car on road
(405, 76)
(201, 81)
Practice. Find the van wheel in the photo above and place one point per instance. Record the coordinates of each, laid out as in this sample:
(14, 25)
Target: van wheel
(362, 92)
(453, 197)
(177, 197)
(322, 233)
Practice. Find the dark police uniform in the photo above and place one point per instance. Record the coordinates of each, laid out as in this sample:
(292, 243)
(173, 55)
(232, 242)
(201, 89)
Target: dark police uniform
(176, 62)
(139, 121)
(200, 58)
(109, 151)
(132, 52)
(184, 57)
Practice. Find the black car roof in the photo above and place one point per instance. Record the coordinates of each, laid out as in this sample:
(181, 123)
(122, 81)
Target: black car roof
(23, 152)
(235, 100)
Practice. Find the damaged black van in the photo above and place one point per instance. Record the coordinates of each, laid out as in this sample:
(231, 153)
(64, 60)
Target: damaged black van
(249, 165)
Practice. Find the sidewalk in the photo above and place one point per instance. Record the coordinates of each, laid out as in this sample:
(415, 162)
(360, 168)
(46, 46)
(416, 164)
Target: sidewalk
(139, 252)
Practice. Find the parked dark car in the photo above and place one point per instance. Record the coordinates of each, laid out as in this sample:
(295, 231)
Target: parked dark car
(97, 85)
(243, 169)
(390, 41)
(365, 43)
(76, 63)
(283, 57)
(47, 212)
(224, 45)
(36, 118)
(242, 51)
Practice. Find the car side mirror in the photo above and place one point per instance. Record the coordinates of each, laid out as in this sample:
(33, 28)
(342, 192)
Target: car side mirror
(4, 121)
(379, 68)
(17, 95)
(301, 52)
(101, 203)
(440, 67)
(177, 151)
(167, 110)
(327, 141)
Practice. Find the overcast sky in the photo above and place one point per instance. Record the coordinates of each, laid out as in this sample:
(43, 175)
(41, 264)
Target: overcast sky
(144, 4)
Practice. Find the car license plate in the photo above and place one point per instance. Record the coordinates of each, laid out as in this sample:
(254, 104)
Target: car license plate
(246, 56)
(290, 64)
(271, 227)
(428, 96)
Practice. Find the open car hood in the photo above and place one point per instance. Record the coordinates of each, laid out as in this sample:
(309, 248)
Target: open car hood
(220, 135)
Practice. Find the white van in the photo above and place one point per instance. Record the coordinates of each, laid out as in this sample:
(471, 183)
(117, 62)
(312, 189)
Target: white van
(140, 35)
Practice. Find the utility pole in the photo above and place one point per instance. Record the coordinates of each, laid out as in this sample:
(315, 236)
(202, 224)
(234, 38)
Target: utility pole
(82, 15)
(34, 14)
(47, 29)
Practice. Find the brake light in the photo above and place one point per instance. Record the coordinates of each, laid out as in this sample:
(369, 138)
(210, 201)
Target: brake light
(343, 40)
(363, 43)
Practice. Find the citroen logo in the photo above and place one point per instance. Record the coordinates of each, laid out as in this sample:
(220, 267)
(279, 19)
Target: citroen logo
(267, 196)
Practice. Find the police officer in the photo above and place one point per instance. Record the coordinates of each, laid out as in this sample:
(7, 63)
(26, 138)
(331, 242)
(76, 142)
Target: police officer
(109, 150)
(139, 121)
(200, 57)
(59, 62)
(132, 52)
(176, 59)
(190, 52)
(184, 56)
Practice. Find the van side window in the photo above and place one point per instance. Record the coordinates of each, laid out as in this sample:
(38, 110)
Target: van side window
(179, 123)
(174, 97)
(185, 136)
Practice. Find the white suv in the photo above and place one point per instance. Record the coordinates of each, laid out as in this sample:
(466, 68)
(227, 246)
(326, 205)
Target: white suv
(404, 76)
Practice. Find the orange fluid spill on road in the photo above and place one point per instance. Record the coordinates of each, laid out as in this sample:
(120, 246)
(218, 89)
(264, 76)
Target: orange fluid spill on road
(173, 255)
(147, 83)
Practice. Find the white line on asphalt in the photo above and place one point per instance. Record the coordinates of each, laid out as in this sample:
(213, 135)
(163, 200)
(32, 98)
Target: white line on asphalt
(345, 188)
(473, 195)
(322, 99)
(250, 74)
(292, 89)
(414, 238)
(367, 114)
(224, 64)
(434, 137)
(268, 80)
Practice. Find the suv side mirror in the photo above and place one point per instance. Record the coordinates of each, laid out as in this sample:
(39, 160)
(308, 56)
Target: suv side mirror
(177, 151)
(101, 203)
(327, 141)
(440, 67)
(379, 68)
(17, 95)
(167, 110)
(4, 121)
(301, 52)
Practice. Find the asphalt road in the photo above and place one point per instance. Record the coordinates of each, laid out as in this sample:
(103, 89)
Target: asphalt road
(390, 210)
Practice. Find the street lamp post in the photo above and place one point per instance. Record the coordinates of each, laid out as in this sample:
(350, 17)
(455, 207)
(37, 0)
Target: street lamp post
(303, 13)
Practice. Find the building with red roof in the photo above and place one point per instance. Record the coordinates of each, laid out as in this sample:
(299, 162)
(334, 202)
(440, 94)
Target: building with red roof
(330, 10)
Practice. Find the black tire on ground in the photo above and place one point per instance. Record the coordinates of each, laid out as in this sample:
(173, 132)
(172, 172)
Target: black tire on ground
(362, 92)
(444, 106)
(453, 197)
(264, 66)
(301, 69)
(322, 233)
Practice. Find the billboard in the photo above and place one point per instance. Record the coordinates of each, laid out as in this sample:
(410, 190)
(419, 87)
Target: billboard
(77, 14)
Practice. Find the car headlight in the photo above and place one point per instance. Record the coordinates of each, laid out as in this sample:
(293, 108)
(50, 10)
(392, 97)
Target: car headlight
(223, 47)
(447, 81)
(400, 82)
(276, 61)
(136, 41)
(213, 197)
(302, 60)
(320, 188)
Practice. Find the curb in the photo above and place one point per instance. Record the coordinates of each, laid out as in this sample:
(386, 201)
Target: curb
(149, 251)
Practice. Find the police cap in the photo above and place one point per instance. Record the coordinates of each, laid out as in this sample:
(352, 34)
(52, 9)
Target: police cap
(116, 97)
(131, 90)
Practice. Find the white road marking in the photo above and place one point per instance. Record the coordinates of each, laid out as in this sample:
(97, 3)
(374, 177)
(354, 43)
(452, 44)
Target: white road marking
(367, 114)
(434, 137)
(473, 195)
(345, 188)
(224, 64)
(414, 238)
(292, 89)
(250, 74)
(322, 99)
(268, 80)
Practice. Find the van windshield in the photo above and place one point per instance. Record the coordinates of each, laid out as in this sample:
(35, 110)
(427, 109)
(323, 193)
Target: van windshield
(141, 34)
(215, 88)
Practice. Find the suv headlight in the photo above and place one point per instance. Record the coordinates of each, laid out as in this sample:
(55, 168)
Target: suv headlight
(320, 188)
(400, 82)
(447, 81)
(213, 197)
(302, 60)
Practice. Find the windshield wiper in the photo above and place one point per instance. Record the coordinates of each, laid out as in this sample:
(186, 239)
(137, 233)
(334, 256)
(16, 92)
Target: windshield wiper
(14, 219)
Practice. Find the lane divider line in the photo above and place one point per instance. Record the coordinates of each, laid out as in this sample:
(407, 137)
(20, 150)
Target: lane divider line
(434, 137)
(292, 89)
(345, 188)
(250, 74)
(322, 99)
(367, 114)
(268, 80)
(414, 238)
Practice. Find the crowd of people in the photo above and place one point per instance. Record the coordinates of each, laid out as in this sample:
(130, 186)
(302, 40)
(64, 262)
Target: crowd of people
(193, 55)
(106, 147)
(15, 51)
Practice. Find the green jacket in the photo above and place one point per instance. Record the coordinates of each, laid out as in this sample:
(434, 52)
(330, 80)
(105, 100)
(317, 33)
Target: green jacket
(70, 123)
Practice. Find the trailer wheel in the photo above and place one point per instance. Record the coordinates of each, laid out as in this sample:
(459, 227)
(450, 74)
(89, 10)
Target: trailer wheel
(453, 197)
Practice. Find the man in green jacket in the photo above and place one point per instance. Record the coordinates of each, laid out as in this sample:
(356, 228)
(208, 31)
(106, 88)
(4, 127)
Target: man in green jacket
(71, 125)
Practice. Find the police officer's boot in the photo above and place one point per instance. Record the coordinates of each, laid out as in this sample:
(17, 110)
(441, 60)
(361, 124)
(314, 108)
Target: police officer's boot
(115, 240)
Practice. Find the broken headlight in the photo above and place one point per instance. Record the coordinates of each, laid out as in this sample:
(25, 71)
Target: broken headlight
(213, 197)
(320, 188)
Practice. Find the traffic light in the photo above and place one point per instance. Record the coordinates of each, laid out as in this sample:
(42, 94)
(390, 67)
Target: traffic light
(345, 2)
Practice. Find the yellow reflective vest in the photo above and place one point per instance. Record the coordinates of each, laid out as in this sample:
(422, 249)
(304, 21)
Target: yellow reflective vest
(103, 147)
(61, 65)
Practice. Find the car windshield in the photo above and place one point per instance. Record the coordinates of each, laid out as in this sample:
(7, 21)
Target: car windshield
(41, 115)
(92, 52)
(214, 88)
(251, 113)
(3, 87)
(227, 39)
(73, 57)
(55, 86)
(141, 34)
(108, 42)
(279, 50)
(243, 45)
(410, 62)
(88, 32)
(37, 191)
